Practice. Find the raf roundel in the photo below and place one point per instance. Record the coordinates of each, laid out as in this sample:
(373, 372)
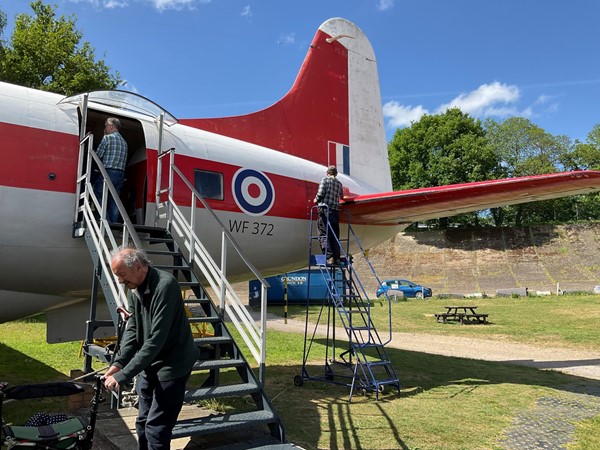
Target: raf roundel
(253, 192)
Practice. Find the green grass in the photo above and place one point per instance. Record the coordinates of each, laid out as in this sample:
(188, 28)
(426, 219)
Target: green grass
(25, 357)
(559, 321)
(444, 403)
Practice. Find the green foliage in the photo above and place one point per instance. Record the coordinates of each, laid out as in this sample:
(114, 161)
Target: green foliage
(2, 26)
(453, 148)
(441, 149)
(46, 52)
(525, 148)
(585, 155)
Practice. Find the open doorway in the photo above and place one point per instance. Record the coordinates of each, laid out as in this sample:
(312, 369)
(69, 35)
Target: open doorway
(133, 192)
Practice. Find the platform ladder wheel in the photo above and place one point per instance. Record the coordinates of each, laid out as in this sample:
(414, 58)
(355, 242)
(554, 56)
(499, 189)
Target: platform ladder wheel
(298, 380)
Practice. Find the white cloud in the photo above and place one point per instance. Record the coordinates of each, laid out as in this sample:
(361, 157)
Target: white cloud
(111, 4)
(527, 112)
(287, 39)
(246, 11)
(177, 5)
(488, 100)
(402, 116)
(483, 101)
(547, 103)
(383, 5)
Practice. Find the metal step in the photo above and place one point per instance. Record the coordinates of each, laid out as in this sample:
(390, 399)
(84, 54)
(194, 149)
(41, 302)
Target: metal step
(148, 229)
(173, 267)
(213, 340)
(232, 390)
(383, 362)
(212, 364)
(174, 253)
(195, 301)
(221, 423)
(173, 258)
(204, 319)
(189, 284)
(153, 240)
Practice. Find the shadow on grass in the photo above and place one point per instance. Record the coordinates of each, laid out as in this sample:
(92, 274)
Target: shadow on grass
(318, 414)
(19, 368)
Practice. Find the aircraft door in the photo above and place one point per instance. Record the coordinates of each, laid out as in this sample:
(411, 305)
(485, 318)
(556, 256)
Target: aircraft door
(143, 132)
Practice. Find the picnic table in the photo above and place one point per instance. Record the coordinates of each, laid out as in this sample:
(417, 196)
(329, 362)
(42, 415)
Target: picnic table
(461, 314)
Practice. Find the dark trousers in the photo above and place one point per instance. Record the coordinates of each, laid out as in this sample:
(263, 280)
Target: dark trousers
(159, 406)
(329, 235)
(117, 178)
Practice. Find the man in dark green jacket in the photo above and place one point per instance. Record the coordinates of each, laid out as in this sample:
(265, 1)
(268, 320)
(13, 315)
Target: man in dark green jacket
(157, 344)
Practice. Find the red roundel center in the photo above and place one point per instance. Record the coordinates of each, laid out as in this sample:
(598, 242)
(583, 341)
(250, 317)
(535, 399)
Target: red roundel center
(254, 190)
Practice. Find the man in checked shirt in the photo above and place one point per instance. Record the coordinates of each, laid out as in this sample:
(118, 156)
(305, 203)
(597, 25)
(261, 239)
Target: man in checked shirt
(328, 198)
(113, 153)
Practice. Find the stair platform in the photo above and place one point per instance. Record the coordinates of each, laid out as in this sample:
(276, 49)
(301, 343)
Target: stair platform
(115, 430)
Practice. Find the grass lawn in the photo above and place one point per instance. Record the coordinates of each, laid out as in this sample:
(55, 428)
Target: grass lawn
(444, 403)
(556, 321)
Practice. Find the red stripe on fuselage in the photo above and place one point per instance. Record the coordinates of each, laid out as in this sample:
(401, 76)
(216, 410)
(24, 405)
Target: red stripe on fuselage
(293, 197)
(33, 158)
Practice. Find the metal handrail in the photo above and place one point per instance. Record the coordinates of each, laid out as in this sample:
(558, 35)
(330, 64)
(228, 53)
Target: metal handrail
(355, 277)
(368, 261)
(182, 227)
(99, 229)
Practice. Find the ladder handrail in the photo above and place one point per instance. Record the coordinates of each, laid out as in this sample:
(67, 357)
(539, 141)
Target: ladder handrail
(184, 229)
(348, 297)
(345, 252)
(374, 273)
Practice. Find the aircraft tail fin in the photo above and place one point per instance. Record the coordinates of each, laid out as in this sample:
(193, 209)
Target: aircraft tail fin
(332, 115)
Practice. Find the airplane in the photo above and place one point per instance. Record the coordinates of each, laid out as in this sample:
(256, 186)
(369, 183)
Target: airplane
(264, 167)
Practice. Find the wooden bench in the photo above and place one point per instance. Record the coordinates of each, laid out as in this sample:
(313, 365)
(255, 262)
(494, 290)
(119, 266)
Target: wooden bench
(475, 318)
(462, 318)
(444, 317)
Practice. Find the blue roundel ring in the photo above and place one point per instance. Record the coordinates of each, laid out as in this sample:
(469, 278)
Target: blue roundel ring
(255, 206)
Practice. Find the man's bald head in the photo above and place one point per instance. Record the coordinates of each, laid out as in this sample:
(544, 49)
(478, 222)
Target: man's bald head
(130, 266)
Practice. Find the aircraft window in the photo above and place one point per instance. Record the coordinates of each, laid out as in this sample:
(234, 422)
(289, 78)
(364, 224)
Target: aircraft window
(209, 184)
(124, 100)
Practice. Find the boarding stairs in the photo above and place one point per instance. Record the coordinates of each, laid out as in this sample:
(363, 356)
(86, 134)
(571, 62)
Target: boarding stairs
(363, 364)
(222, 371)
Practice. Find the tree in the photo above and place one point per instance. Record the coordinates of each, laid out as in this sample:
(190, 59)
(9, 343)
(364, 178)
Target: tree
(526, 149)
(585, 156)
(442, 149)
(2, 26)
(46, 53)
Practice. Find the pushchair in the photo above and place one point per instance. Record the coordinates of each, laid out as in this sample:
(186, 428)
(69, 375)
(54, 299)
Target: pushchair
(72, 433)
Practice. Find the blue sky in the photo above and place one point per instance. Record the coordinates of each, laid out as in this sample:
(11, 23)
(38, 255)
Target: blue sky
(207, 58)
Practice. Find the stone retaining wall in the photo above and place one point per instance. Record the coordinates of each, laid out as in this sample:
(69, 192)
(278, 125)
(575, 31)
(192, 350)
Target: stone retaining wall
(483, 260)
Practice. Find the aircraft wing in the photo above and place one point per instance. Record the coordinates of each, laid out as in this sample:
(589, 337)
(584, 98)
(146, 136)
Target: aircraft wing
(444, 201)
